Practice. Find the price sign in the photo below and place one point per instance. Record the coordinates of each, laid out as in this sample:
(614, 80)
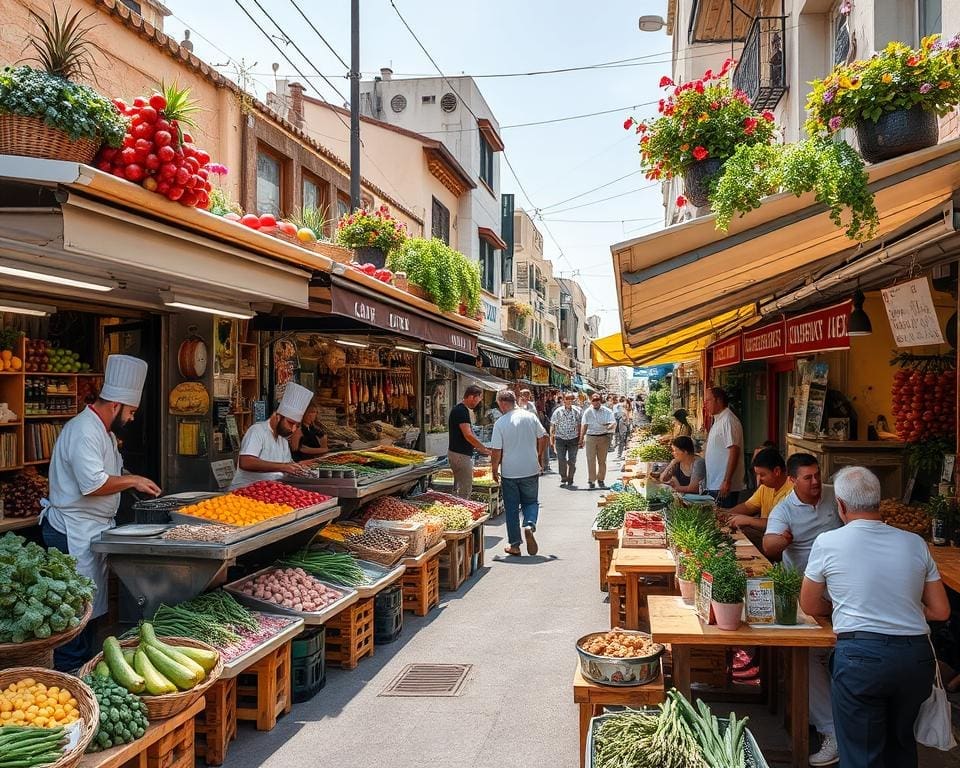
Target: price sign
(704, 598)
(913, 318)
(223, 472)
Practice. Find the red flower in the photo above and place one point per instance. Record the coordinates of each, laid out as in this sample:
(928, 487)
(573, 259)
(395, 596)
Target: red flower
(699, 86)
(641, 128)
(660, 108)
(767, 115)
(665, 81)
(749, 125)
(681, 201)
(700, 153)
(726, 67)
(627, 124)
(913, 61)
(714, 105)
(708, 75)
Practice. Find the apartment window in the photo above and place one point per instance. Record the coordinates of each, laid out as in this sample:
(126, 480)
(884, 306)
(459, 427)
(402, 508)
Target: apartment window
(133, 6)
(269, 183)
(930, 17)
(488, 268)
(343, 205)
(486, 161)
(440, 222)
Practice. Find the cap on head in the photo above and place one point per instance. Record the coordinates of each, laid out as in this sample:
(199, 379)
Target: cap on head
(123, 380)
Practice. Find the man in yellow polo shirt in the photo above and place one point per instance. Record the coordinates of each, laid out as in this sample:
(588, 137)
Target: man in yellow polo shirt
(773, 484)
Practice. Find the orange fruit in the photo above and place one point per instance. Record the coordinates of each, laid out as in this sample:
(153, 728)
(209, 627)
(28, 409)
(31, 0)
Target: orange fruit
(6, 354)
(16, 363)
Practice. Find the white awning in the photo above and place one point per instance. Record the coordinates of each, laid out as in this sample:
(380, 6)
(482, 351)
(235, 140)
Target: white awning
(475, 375)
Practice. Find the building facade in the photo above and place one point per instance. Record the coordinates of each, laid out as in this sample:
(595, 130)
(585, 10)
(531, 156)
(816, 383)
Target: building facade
(574, 327)
(531, 296)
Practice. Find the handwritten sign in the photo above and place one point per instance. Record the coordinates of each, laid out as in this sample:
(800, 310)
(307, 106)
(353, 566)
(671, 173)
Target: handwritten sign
(913, 318)
(223, 472)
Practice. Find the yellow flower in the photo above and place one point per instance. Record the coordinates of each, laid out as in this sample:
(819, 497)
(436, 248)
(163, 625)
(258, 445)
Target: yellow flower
(850, 83)
(703, 117)
(944, 84)
(684, 147)
(887, 77)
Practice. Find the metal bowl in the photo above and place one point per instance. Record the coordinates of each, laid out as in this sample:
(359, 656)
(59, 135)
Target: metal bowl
(609, 670)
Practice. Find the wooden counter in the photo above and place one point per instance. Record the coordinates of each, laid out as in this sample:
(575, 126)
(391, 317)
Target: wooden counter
(948, 563)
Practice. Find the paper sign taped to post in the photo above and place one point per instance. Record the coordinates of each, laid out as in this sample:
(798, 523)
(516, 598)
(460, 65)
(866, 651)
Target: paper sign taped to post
(912, 315)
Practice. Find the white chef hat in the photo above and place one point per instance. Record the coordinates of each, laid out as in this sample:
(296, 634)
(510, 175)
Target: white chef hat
(294, 402)
(123, 380)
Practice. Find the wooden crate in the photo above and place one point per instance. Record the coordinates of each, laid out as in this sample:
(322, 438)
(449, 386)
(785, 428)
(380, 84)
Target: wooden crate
(216, 726)
(709, 665)
(421, 586)
(454, 563)
(617, 587)
(174, 749)
(264, 689)
(350, 635)
(606, 543)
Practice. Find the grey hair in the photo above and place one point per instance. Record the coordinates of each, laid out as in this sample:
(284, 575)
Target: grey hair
(506, 396)
(858, 488)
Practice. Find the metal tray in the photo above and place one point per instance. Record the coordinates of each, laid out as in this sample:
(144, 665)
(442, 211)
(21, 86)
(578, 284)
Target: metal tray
(236, 666)
(138, 530)
(381, 576)
(242, 532)
(350, 596)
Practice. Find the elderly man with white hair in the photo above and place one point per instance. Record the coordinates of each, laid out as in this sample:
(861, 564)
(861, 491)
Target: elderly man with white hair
(880, 586)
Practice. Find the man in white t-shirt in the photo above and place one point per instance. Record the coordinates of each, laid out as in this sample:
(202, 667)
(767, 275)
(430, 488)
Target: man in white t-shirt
(518, 442)
(724, 450)
(809, 510)
(880, 587)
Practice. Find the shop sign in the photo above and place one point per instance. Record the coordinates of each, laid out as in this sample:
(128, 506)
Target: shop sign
(726, 352)
(387, 317)
(819, 331)
(761, 343)
(653, 371)
(541, 374)
(559, 378)
(913, 318)
(491, 313)
(494, 360)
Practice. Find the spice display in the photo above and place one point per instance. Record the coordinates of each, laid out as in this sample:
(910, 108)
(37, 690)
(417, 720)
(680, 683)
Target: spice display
(376, 538)
(272, 492)
(388, 508)
(292, 588)
(21, 495)
(211, 533)
(340, 531)
(27, 747)
(41, 593)
(29, 703)
(622, 645)
(338, 567)
(456, 517)
(123, 715)
(235, 510)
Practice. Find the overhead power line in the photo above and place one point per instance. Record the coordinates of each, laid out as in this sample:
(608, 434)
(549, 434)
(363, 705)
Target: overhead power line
(595, 189)
(317, 33)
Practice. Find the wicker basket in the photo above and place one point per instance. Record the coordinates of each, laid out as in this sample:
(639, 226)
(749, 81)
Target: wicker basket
(87, 706)
(170, 704)
(414, 532)
(31, 137)
(39, 653)
(388, 559)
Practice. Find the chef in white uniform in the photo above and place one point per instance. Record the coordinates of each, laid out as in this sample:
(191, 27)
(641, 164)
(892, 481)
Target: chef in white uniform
(86, 480)
(265, 450)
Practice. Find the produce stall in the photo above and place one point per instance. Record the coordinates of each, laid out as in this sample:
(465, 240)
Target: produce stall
(485, 490)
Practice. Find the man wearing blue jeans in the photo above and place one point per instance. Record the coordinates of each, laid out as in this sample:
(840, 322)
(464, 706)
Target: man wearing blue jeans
(518, 441)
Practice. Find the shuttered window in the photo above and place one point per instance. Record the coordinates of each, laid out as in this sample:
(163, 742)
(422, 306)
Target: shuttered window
(440, 221)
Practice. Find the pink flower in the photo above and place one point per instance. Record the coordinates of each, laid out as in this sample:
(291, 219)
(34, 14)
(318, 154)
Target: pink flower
(641, 127)
(835, 122)
(926, 88)
(767, 115)
(681, 201)
(665, 82)
(700, 153)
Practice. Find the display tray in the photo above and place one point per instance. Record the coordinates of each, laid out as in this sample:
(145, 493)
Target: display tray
(242, 532)
(236, 666)
(350, 596)
(380, 575)
(138, 530)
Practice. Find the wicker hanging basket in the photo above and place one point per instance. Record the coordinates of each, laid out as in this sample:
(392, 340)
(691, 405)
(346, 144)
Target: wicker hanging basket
(39, 653)
(87, 706)
(31, 137)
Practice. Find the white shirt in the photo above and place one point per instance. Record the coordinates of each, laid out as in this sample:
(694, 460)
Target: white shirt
(599, 421)
(516, 434)
(725, 433)
(529, 406)
(805, 523)
(875, 576)
(260, 441)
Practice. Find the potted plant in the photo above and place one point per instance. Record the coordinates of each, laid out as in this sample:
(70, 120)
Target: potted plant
(372, 235)
(43, 112)
(891, 100)
(445, 276)
(701, 125)
(729, 588)
(690, 565)
(786, 590)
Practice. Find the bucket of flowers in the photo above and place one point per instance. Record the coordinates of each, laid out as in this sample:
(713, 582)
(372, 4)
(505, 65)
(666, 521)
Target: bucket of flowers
(701, 124)
(371, 235)
(891, 100)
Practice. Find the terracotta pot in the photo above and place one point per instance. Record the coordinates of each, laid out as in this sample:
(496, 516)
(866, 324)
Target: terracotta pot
(897, 133)
(688, 590)
(415, 290)
(696, 181)
(729, 615)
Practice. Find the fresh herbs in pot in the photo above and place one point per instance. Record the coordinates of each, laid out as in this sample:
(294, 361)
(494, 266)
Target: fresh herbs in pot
(786, 581)
(729, 579)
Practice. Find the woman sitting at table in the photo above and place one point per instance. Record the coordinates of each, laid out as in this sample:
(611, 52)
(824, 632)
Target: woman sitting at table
(685, 472)
(309, 441)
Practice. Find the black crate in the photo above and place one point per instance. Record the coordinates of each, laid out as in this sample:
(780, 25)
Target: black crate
(308, 676)
(387, 615)
(308, 643)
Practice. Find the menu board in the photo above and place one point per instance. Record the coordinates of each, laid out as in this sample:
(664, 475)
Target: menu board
(760, 607)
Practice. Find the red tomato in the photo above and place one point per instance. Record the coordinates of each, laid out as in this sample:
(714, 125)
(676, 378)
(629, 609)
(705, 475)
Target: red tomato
(148, 114)
(158, 102)
(168, 171)
(251, 220)
(140, 101)
(104, 165)
(153, 162)
(143, 145)
(268, 220)
(166, 153)
(120, 105)
(134, 172)
(287, 228)
(175, 193)
(163, 187)
(203, 157)
(182, 176)
(187, 138)
(189, 198)
(368, 269)
(162, 138)
(142, 131)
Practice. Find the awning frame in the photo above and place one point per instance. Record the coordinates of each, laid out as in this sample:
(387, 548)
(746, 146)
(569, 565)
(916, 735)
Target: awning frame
(484, 381)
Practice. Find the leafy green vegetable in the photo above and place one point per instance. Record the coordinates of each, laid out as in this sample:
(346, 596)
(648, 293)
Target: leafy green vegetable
(616, 508)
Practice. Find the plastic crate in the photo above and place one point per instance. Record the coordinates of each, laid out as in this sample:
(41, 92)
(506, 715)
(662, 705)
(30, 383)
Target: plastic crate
(308, 643)
(387, 616)
(308, 670)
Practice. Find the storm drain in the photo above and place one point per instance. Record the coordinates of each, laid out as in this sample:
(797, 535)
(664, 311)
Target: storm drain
(429, 680)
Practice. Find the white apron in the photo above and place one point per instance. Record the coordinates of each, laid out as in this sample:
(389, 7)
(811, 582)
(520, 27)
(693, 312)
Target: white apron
(84, 456)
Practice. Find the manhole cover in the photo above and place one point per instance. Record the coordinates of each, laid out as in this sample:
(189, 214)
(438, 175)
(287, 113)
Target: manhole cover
(429, 680)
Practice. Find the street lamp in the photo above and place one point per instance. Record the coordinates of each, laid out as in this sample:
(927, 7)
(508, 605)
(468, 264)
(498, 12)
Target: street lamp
(652, 23)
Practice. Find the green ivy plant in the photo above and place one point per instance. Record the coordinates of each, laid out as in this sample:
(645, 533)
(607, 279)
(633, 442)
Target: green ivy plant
(446, 275)
(832, 170)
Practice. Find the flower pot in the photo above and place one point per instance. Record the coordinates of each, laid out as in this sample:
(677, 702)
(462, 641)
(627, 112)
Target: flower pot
(897, 133)
(688, 590)
(785, 609)
(729, 615)
(369, 254)
(415, 290)
(696, 181)
(31, 137)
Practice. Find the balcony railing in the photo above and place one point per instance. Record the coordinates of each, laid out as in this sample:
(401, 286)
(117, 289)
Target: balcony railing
(762, 71)
(516, 337)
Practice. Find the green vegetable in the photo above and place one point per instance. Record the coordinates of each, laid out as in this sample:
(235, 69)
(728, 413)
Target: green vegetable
(120, 670)
(126, 718)
(722, 747)
(338, 567)
(180, 676)
(157, 684)
(147, 635)
(654, 452)
(616, 508)
(205, 659)
(648, 739)
(102, 669)
(25, 747)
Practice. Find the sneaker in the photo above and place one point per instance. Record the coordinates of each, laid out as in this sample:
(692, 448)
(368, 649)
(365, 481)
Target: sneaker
(828, 752)
(530, 539)
(602, 485)
(592, 486)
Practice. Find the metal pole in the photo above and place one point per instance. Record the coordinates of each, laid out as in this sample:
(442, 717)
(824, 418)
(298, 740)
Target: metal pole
(355, 104)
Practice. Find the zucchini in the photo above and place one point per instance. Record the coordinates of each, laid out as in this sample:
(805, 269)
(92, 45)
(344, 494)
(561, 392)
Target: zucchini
(157, 684)
(128, 654)
(206, 659)
(176, 673)
(147, 635)
(120, 670)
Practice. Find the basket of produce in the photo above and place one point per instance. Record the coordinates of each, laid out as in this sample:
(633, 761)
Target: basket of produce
(455, 517)
(44, 602)
(415, 532)
(619, 657)
(904, 516)
(477, 508)
(127, 720)
(169, 673)
(50, 718)
(377, 546)
(434, 528)
(388, 508)
(617, 505)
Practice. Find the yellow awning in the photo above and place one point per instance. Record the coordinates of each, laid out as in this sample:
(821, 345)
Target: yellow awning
(689, 273)
(671, 348)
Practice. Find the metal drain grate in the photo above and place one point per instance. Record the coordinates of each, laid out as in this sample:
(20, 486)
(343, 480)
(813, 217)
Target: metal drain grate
(429, 680)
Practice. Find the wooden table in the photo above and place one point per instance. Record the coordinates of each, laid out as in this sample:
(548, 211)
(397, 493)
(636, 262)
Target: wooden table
(948, 563)
(671, 621)
(606, 543)
(593, 697)
(17, 523)
(634, 563)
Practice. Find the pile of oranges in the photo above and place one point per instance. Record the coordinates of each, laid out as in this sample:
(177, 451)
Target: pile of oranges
(235, 510)
(10, 362)
(29, 703)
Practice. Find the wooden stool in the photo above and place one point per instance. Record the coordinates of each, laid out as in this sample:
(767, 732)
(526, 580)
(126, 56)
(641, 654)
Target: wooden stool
(606, 543)
(174, 749)
(350, 635)
(216, 726)
(592, 698)
(616, 592)
(421, 586)
(263, 689)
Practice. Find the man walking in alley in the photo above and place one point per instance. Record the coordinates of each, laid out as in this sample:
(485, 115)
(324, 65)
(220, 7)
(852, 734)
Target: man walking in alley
(596, 427)
(793, 526)
(463, 442)
(518, 442)
(565, 438)
(724, 450)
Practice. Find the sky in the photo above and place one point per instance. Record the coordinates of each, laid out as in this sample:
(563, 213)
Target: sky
(582, 177)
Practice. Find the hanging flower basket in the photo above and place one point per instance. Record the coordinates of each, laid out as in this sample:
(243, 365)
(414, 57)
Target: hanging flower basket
(696, 181)
(31, 137)
(897, 133)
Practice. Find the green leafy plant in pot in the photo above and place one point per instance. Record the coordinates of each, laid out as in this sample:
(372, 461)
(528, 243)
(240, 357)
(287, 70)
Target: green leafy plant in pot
(786, 590)
(447, 276)
(691, 562)
(372, 235)
(729, 588)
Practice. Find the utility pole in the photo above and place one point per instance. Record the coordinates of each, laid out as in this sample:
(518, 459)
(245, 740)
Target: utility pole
(355, 104)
